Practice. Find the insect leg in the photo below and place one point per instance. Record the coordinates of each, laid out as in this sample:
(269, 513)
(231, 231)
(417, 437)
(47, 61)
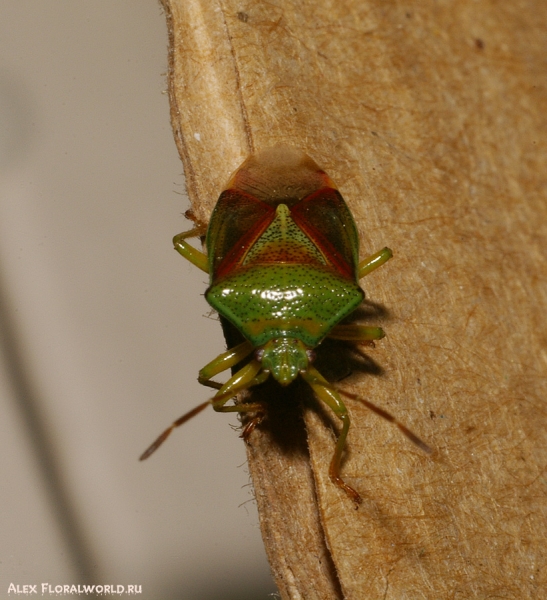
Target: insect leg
(332, 399)
(224, 361)
(189, 252)
(246, 377)
(373, 262)
(240, 381)
(356, 333)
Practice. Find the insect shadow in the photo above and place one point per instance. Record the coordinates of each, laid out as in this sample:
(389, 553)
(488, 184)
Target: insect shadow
(337, 360)
(284, 422)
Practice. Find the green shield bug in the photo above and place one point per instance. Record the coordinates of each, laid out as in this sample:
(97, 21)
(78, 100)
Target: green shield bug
(284, 269)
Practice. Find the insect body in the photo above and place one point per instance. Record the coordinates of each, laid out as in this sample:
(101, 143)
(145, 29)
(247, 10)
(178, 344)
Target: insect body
(283, 262)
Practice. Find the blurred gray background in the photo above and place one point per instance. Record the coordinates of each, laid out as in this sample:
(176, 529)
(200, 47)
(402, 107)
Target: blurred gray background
(104, 326)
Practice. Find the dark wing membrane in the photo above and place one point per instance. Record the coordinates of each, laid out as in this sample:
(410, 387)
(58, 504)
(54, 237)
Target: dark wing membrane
(325, 218)
(238, 220)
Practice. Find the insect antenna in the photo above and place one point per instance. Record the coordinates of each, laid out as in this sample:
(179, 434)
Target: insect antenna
(389, 417)
(186, 417)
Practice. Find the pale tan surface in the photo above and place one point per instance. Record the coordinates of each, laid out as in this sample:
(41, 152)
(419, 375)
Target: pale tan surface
(431, 118)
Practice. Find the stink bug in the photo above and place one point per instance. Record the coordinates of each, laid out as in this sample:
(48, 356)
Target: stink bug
(283, 261)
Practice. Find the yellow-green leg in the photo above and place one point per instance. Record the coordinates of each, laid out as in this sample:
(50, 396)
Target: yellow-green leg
(196, 257)
(373, 262)
(250, 375)
(247, 377)
(356, 333)
(332, 399)
(224, 361)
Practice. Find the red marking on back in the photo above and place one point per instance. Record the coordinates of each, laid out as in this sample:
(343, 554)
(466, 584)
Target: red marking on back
(321, 237)
(235, 256)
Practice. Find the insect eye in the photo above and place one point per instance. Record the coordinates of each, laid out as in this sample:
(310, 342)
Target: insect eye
(311, 355)
(259, 354)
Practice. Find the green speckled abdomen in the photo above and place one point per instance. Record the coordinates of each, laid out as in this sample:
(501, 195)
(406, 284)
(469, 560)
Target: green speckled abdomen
(284, 300)
(292, 269)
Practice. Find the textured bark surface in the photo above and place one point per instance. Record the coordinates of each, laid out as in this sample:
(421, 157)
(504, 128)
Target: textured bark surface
(432, 119)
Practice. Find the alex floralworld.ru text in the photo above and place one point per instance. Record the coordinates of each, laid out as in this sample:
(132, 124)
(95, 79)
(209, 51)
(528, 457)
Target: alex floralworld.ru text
(48, 588)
